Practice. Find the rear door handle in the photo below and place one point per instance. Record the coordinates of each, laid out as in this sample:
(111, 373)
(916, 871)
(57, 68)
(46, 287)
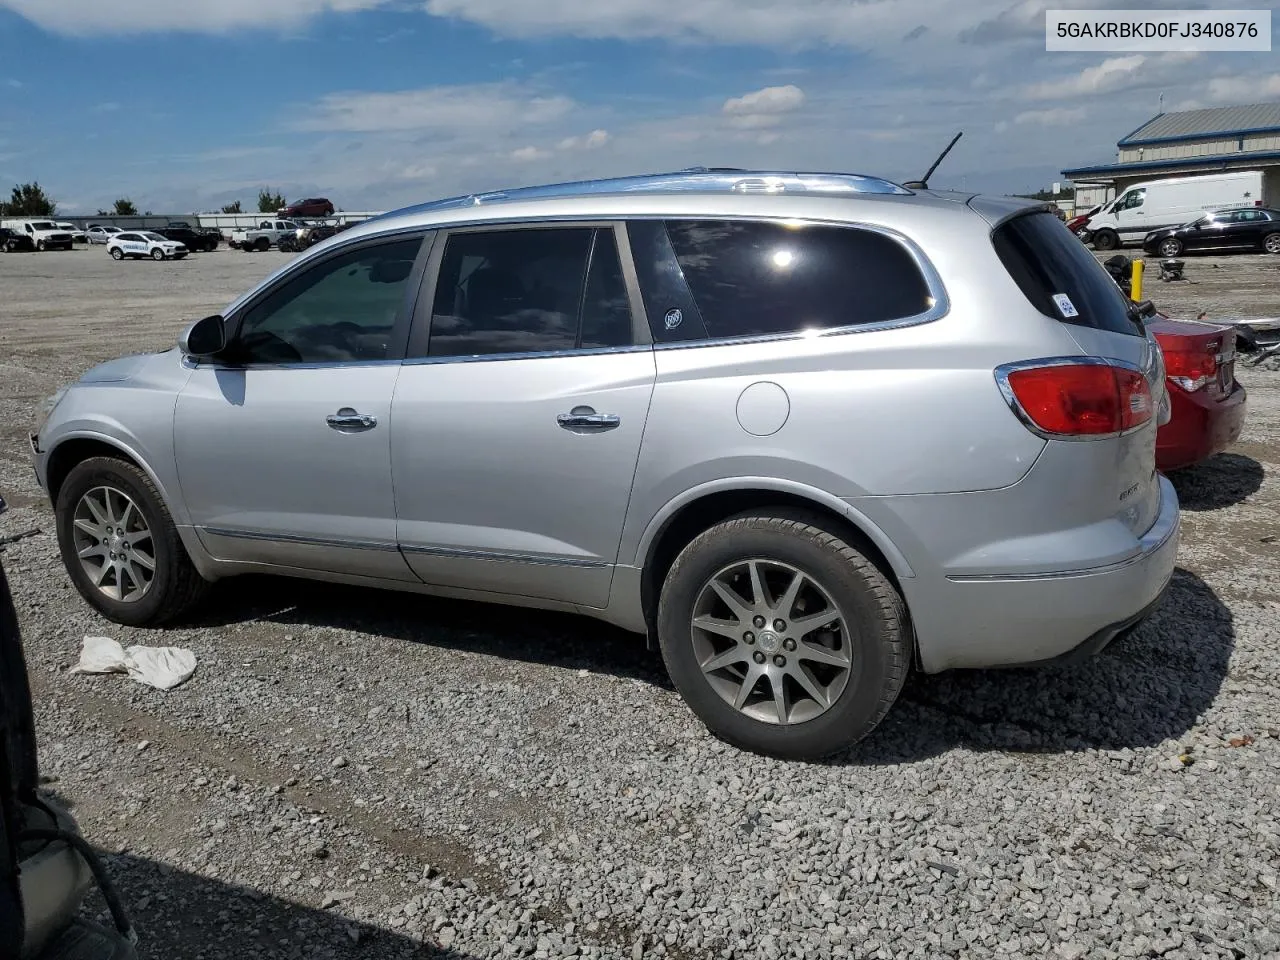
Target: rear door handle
(585, 418)
(348, 420)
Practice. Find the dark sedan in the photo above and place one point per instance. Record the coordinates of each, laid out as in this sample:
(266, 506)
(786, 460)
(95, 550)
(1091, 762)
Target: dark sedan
(1249, 228)
(311, 207)
(12, 241)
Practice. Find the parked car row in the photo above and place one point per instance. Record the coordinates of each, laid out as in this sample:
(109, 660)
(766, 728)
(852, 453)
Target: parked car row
(43, 234)
(1225, 211)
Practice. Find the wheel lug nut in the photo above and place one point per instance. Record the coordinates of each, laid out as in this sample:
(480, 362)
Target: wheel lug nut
(759, 622)
(758, 657)
(779, 625)
(779, 661)
(789, 644)
(749, 637)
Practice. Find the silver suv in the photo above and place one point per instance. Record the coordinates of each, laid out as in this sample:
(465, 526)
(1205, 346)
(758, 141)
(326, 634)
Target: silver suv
(803, 430)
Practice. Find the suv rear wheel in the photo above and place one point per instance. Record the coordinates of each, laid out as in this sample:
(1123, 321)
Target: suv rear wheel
(782, 637)
(120, 546)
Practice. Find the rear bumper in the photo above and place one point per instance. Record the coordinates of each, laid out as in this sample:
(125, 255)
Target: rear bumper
(1017, 619)
(1200, 427)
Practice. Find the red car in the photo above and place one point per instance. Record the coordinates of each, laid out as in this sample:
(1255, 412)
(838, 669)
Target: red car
(1208, 403)
(312, 207)
(1079, 224)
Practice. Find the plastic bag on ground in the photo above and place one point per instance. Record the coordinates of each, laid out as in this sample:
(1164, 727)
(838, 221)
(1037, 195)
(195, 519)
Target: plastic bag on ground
(161, 667)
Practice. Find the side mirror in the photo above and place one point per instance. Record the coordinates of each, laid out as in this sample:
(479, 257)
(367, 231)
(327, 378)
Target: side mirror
(204, 338)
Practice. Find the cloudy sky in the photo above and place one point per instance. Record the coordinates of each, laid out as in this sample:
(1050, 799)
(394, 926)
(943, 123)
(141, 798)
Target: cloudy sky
(184, 106)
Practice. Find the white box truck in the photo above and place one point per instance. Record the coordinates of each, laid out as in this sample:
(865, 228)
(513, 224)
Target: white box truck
(1157, 204)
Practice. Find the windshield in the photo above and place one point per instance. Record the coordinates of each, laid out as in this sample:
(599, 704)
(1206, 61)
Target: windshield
(45, 225)
(154, 236)
(1200, 221)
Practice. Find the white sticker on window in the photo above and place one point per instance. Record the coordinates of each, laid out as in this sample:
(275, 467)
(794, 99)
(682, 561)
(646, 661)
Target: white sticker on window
(1065, 306)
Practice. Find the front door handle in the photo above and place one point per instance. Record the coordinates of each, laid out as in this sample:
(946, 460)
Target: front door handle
(585, 418)
(347, 420)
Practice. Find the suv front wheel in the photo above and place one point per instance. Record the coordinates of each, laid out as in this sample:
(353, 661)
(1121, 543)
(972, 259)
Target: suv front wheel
(121, 547)
(782, 637)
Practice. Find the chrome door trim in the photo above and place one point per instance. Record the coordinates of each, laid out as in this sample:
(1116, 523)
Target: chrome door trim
(455, 553)
(382, 545)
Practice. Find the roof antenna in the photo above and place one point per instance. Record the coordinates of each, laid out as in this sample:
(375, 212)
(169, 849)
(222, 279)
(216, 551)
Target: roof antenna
(923, 182)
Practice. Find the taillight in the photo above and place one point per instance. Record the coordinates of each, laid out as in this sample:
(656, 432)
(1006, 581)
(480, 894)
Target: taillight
(1076, 398)
(1192, 369)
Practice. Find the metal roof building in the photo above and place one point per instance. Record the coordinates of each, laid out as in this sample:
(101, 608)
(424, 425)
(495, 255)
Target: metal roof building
(1186, 143)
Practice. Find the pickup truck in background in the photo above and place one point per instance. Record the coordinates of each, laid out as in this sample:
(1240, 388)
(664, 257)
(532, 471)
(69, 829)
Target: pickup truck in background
(265, 235)
(194, 239)
(44, 234)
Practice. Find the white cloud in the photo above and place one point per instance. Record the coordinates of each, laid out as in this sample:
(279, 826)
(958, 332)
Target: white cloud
(1114, 74)
(436, 109)
(15, 83)
(1108, 75)
(1053, 117)
(591, 141)
(527, 154)
(768, 100)
(1244, 89)
(94, 17)
(109, 107)
(762, 108)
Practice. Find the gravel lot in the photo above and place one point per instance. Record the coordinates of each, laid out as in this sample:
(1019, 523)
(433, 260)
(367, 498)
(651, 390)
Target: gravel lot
(358, 774)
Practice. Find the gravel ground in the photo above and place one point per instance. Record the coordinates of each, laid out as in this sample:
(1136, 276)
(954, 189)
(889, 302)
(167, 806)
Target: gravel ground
(359, 774)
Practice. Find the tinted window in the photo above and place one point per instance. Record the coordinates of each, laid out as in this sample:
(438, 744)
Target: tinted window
(1047, 261)
(751, 278)
(528, 291)
(342, 309)
(606, 311)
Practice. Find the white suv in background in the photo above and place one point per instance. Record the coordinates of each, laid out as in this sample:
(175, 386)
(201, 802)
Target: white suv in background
(144, 243)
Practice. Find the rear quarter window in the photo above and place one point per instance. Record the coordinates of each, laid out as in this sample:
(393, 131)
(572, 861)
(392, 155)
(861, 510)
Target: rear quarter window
(746, 278)
(1060, 277)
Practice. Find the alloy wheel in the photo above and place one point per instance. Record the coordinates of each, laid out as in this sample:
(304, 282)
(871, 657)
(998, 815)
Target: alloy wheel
(771, 642)
(114, 544)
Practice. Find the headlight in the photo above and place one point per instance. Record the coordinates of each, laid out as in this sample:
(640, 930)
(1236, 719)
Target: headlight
(47, 408)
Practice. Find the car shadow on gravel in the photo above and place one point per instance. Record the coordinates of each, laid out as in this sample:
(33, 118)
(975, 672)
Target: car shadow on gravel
(1142, 690)
(535, 636)
(183, 915)
(1218, 482)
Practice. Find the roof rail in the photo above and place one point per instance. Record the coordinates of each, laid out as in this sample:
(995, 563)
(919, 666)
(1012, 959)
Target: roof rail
(691, 180)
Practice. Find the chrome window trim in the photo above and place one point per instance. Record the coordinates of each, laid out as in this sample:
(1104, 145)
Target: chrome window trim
(455, 553)
(535, 355)
(380, 545)
(1003, 371)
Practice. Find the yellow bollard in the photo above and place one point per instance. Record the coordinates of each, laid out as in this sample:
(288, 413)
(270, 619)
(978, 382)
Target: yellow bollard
(1135, 284)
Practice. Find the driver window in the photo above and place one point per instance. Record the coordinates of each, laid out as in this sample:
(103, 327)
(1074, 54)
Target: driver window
(1136, 199)
(341, 310)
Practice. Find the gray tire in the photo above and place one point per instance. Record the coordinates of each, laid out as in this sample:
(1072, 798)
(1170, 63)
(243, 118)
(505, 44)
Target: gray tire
(117, 253)
(1170, 247)
(1106, 240)
(813, 680)
(1271, 243)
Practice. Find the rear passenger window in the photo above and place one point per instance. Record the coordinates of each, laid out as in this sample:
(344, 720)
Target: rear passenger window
(1060, 276)
(750, 278)
(529, 291)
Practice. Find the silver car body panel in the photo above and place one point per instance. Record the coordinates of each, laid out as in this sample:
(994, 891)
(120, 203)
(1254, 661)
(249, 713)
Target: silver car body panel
(1008, 547)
